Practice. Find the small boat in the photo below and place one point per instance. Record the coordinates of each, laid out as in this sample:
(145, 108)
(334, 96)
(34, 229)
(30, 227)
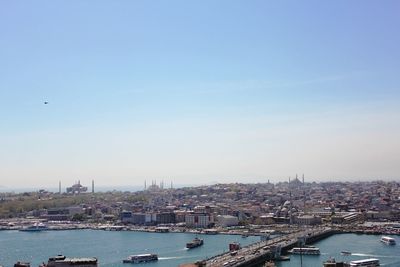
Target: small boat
(141, 258)
(345, 253)
(195, 243)
(37, 227)
(22, 264)
(365, 263)
(388, 240)
(305, 251)
(331, 262)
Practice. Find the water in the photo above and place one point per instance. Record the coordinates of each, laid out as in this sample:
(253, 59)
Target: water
(361, 247)
(110, 247)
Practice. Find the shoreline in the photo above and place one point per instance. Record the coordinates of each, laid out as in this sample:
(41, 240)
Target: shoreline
(172, 229)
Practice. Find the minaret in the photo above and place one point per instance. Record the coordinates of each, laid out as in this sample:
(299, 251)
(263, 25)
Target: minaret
(304, 197)
(59, 187)
(145, 185)
(92, 186)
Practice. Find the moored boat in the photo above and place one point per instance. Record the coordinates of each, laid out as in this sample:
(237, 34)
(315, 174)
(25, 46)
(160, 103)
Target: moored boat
(141, 258)
(37, 227)
(195, 243)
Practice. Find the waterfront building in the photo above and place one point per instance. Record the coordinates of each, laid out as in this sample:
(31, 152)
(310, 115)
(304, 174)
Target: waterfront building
(347, 218)
(307, 220)
(165, 217)
(199, 220)
(126, 217)
(227, 220)
(180, 216)
(140, 218)
(58, 214)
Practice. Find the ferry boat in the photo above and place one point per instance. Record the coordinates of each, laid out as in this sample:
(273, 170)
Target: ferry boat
(62, 261)
(305, 251)
(141, 258)
(388, 240)
(365, 263)
(37, 227)
(194, 243)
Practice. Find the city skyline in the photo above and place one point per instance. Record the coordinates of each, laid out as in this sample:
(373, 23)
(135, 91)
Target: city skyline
(202, 92)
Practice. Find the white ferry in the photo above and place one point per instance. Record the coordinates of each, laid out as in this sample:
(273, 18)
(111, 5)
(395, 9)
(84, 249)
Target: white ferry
(37, 227)
(388, 240)
(141, 258)
(365, 263)
(305, 251)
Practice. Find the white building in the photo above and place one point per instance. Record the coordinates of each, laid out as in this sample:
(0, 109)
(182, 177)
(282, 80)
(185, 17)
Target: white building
(199, 220)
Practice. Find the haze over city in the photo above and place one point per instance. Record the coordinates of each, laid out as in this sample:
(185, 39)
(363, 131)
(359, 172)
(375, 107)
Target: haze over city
(198, 92)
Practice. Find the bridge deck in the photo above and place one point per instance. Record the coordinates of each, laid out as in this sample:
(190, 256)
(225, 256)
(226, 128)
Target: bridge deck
(262, 251)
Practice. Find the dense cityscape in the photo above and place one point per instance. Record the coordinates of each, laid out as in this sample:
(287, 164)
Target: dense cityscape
(221, 205)
(291, 209)
(199, 133)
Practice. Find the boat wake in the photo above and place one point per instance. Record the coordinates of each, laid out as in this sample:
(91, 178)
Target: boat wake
(394, 264)
(372, 255)
(174, 258)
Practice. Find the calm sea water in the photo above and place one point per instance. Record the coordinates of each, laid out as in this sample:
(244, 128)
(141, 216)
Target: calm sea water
(111, 247)
(361, 247)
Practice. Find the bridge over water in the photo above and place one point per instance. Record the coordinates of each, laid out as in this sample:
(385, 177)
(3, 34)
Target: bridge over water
(257, 253)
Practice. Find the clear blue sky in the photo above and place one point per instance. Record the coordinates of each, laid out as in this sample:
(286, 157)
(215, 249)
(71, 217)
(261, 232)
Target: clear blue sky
(198, 91)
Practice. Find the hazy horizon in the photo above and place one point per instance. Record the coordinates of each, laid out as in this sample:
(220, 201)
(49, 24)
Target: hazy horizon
(202, 92)
(167, 184)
